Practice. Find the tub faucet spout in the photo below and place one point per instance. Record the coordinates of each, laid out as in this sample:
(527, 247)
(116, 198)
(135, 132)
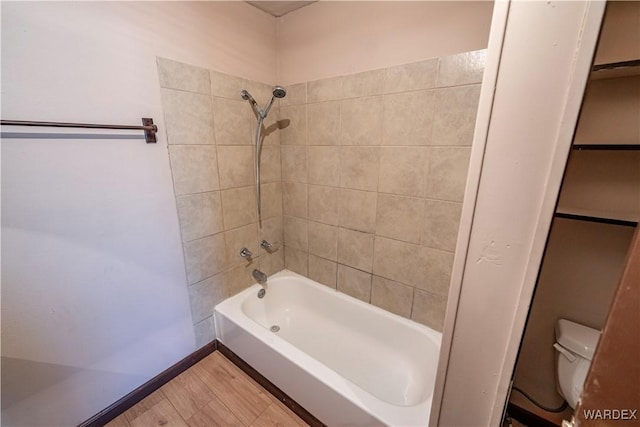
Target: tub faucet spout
(259, 276)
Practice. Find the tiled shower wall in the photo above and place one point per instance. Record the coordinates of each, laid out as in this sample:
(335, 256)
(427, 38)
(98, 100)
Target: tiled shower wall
(373, 168)
(210, 135)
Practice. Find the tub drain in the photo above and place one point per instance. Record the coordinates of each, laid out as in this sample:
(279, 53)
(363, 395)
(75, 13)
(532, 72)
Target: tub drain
(274, 328)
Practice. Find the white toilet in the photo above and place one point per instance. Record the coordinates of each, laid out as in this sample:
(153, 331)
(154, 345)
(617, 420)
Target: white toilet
(575, 344)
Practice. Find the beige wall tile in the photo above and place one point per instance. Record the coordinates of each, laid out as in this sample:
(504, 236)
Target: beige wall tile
(271, 195)
(403, 170)
(239, 278)
(399, 217)
(455, 117)
(294, 163)
(359, 168)
(323, 240)
(322, 271)
(324, 165)
(204, 295)
(235, 166)
(429, 309)
(204, 257)
(324, 90)
(361, 121)
(296, 95)
(272, 263)
(270, 134)
(324, 204)
(272, 232)
(176, 75)
(447, 173)
(261, 92)
(295, 199)
(399, 261)
(414, 76)
(270, 166)
(200, 215)
(205, 332)
(238, 207)
(367, 83)
(441, 222)
(293, 125)
(232, 122)
(323, 121)
(226, 86)
(355, 249)
(437, 265)
(461, 69)
(238, 238)
(392, 296)
(194, 168)
(188, 117)
(426, 268)
(296, 261)
(357, 210)
(354, 282)
(296, 233)
(408, 118)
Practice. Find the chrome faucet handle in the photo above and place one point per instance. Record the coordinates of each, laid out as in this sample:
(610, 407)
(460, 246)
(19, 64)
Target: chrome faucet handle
(246, 253)
(266, 245)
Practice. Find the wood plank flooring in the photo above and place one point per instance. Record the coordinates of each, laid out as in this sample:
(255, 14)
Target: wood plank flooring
(213, 392)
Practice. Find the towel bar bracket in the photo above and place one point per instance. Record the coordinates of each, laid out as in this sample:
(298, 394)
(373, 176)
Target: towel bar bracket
(149, 135)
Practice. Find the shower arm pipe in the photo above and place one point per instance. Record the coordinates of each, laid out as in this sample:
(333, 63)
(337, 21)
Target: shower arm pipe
(266, 110)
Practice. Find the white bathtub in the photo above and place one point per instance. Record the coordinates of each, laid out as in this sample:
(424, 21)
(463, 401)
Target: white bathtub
(347, 362)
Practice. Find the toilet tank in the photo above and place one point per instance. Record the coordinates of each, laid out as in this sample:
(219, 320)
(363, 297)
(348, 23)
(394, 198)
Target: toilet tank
(577, 338)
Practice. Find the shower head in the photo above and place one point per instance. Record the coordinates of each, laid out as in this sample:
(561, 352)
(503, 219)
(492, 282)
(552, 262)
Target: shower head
(247, 96)
(279, 92)
(254, 105)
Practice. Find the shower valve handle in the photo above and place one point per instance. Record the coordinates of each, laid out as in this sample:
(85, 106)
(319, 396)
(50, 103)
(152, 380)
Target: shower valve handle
(246, 253)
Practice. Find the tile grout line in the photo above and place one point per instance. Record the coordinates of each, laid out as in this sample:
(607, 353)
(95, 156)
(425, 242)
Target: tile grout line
(306, 143)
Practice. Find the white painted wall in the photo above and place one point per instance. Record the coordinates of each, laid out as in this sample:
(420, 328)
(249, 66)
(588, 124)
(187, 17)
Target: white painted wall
(332, 38)
(94, 291)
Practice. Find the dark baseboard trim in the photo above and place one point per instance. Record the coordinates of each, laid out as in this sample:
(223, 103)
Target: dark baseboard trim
(120, 406)
(527, 418)
(306, 416)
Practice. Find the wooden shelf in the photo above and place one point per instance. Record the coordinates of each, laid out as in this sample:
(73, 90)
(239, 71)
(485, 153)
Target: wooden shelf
(616, 70)
(627, 220)
(610, 147)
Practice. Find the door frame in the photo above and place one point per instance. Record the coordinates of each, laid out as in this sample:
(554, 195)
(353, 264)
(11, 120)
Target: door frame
(538, 63)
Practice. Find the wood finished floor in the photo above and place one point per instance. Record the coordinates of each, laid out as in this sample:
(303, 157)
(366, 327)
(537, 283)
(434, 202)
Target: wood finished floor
(213, 392)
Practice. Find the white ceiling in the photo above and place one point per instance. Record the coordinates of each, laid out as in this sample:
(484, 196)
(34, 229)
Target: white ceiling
(279, 8)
